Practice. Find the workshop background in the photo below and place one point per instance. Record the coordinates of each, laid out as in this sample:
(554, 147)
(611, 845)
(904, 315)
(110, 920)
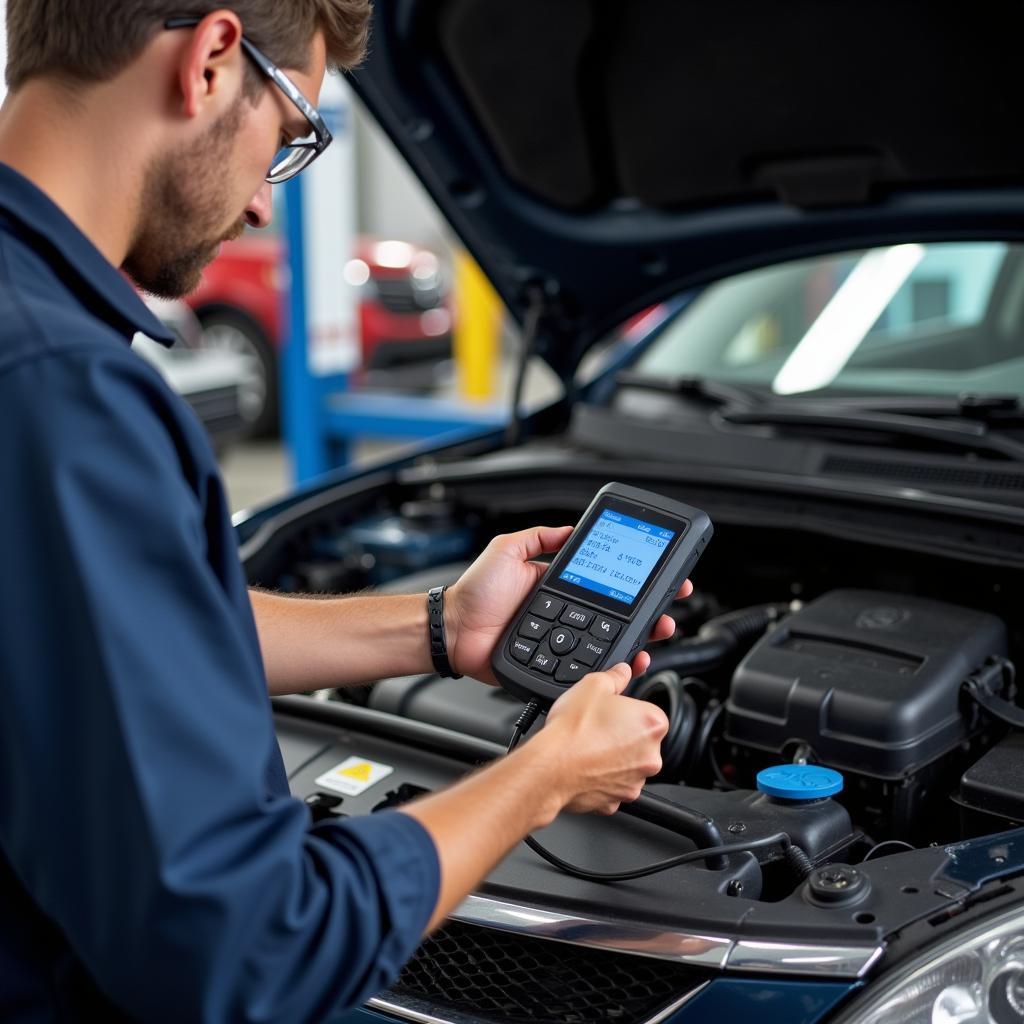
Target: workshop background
(329, 339)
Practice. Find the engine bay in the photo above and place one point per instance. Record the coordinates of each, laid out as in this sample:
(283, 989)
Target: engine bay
(796, 648)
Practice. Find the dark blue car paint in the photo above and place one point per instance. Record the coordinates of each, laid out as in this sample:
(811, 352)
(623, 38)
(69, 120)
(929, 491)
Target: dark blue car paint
(978, 861)
(608, 263)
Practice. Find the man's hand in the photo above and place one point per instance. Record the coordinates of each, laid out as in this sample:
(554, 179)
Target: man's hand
(594, 753)
(479, 606)
(609, 744)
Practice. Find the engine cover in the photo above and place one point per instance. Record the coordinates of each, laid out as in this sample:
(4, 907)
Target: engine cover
(870, 680)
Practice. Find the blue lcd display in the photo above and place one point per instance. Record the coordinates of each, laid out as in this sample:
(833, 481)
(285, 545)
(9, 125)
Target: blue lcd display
(617, 555)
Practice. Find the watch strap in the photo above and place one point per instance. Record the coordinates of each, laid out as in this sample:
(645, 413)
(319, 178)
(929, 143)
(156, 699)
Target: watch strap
(438, 643)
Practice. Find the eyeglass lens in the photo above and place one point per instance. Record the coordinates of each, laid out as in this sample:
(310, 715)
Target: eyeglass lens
(292, 159)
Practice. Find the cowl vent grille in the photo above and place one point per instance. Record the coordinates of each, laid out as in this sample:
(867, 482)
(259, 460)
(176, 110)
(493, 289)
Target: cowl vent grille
(498, 978)
(949, 476)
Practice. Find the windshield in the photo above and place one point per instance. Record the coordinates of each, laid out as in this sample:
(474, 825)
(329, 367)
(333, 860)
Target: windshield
(904, 319)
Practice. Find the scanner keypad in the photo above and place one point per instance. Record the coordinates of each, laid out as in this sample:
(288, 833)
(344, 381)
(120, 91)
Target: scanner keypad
(552, 629)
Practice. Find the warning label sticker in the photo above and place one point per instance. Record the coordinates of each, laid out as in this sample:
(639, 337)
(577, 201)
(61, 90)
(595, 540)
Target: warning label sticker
(354, 775)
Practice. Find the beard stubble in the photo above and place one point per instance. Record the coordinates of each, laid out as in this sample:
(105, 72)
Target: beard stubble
(184, 204)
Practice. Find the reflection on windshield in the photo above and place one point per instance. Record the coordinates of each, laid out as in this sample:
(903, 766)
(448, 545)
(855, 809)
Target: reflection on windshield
(904, 319)
(844, 323)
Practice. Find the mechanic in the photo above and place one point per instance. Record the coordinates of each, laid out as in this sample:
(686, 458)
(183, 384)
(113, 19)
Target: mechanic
(152, 862)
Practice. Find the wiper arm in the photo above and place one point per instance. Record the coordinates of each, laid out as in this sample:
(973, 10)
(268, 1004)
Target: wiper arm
(711, 391)
(962, 433)
(984, 406)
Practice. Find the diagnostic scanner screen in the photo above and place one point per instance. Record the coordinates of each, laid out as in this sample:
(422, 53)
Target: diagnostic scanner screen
(617, 555)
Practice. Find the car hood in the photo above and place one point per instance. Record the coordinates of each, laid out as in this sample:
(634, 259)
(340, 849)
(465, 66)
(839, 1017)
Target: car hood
(596, 157)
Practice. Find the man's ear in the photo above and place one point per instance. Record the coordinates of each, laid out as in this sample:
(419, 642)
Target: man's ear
(211, 64)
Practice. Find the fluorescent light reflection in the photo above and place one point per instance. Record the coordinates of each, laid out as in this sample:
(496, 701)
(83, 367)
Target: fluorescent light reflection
(842, 325)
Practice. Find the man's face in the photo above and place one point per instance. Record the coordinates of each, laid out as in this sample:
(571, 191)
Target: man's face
(203, 194)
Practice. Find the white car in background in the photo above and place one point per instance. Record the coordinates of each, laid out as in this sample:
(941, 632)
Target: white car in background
(209, 380)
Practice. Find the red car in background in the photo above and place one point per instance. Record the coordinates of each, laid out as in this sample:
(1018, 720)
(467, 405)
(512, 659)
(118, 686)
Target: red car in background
(404, 313)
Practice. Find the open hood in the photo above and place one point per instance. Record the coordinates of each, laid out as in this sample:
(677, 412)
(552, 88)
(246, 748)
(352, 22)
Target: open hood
(598, 156)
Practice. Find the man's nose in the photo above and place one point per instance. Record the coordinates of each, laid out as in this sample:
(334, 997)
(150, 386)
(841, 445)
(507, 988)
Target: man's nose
(259, 212)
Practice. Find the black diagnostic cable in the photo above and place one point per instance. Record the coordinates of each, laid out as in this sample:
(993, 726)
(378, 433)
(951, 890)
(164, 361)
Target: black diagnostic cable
(513, 432)
(888, 842)
(796, 858)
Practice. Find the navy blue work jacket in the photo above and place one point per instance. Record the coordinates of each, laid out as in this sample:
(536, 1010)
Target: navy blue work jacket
(152, 863)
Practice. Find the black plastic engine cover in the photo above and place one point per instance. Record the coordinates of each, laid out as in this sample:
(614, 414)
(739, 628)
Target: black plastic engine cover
(870, 680)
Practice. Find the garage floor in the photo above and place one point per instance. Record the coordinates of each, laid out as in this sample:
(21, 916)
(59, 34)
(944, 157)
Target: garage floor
(256, 471)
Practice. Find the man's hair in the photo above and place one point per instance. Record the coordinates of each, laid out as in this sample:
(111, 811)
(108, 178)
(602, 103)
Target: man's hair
(94, 40)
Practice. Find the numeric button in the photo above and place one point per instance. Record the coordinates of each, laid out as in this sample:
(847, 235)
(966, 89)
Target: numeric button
(605, 629)
(522, 650)
(570, 671)
(533, 628)
(573, 616)
(543, 662)
(562, 641)
(546, 607)
(591, 651)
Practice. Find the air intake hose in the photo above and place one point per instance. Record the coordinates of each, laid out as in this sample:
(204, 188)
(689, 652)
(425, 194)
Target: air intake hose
(725, 638)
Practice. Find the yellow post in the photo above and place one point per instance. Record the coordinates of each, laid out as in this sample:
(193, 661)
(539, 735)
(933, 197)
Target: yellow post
(477, 340)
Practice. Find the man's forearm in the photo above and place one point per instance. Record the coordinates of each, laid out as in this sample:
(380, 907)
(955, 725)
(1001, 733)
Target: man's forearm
(311, 643)
(475, 823)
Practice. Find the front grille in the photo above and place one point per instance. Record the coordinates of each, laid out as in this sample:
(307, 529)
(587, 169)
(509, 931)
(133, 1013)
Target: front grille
(950, 476)
(498, 978)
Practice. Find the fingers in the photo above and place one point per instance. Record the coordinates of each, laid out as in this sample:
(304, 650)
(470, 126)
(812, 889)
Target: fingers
(685, 590)
(620, 675)
(641, 663)
(663, 628)
(538, 540)
(615, 677)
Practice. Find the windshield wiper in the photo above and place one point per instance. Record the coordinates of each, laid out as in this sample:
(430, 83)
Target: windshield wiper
(990, 408)
(962, 421)
(972, 434)
(714, 392)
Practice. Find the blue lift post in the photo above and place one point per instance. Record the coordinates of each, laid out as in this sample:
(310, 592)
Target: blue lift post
(321, 415)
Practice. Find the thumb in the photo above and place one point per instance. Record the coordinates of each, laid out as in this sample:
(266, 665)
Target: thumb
(620, 676)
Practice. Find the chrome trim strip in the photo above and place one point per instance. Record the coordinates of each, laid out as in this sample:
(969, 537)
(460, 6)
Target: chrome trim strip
(700, 950)
(714, 952)
(678, 1004)
(795, 958)
(407, 1011)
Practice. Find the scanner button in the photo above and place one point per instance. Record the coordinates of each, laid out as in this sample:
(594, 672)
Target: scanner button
(543, 662)
(521, 650)
(573, 616)
(605, 629)
(570, 671)
(562, 640)
(533, 628)
(591, 652)
(547, 607)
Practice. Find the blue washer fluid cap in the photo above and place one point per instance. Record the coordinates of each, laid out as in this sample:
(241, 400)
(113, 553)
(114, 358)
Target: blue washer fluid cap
(799, 781)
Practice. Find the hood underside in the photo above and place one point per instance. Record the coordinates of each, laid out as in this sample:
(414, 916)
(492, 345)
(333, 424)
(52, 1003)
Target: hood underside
(599, 156)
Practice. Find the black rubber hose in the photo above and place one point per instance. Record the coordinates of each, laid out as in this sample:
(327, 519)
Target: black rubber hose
(685, 821)
(718, 640)
(667, 691)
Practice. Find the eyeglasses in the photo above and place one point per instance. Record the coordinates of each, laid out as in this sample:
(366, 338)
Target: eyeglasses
(301, 152)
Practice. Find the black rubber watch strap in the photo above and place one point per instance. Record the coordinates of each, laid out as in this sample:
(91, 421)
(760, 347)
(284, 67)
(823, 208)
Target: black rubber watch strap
(438, 644)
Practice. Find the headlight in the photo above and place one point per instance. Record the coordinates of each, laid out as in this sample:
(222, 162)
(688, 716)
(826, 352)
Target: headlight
(975, 977)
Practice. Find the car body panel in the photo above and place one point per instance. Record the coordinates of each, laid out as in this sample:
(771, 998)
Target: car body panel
(586, 252)
(471, 120)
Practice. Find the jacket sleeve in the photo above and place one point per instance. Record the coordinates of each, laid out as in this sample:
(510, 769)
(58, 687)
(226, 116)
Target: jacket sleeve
(134, 732)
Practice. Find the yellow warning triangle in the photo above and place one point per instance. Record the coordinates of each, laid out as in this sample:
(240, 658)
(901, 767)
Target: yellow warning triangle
(357, 771)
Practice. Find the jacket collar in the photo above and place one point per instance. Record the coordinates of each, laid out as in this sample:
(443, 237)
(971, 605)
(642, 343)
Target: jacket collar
(52, 229)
